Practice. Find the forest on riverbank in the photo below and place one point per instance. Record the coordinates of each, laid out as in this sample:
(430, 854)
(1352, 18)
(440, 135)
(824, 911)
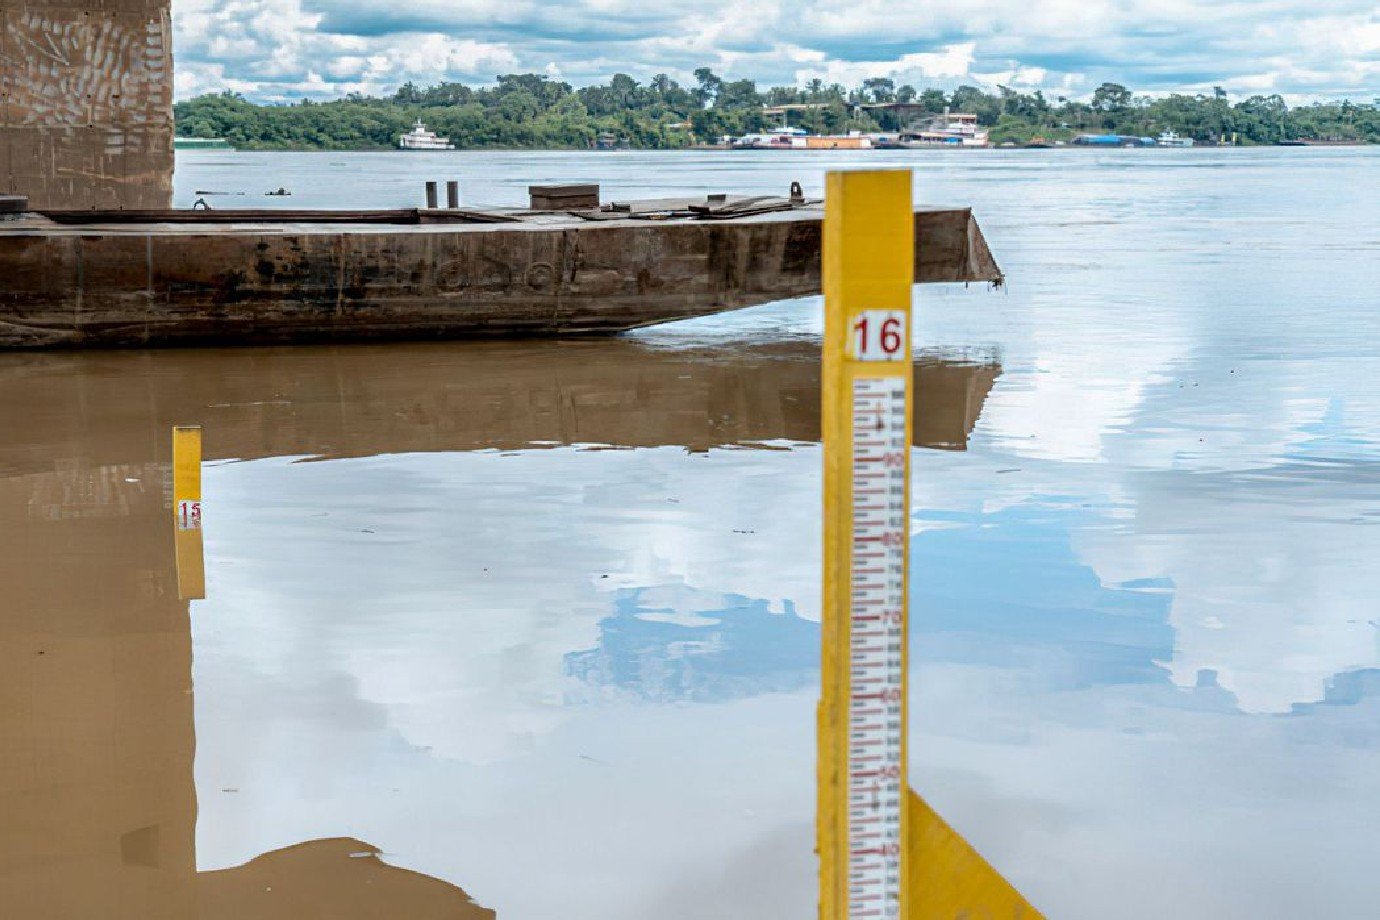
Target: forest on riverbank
(532, 111)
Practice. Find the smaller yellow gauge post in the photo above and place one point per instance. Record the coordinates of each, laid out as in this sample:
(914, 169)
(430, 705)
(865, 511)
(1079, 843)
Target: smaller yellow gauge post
(191, 564)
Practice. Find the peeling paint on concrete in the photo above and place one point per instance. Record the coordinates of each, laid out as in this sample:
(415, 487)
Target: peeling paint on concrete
(86, 103)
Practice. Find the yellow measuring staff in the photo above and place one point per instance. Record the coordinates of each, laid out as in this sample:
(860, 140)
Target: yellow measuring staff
(191, 567)
(884, 853)
(869, 266)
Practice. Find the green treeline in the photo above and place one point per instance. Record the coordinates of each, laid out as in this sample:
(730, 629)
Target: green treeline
(529, 110)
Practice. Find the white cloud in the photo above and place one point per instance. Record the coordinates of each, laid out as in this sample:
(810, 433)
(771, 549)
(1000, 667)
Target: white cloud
(953, 62)
(1302, 49)
(276, 49)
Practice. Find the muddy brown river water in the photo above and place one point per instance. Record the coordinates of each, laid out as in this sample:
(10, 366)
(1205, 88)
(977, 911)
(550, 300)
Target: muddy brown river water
(530, 630)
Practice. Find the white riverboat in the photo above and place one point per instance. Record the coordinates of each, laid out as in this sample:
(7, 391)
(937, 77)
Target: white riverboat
(1172, 139)
(951, 129)
(419, 138)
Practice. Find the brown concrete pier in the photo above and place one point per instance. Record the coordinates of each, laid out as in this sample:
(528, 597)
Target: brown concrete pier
(86, 103)
(218, 277)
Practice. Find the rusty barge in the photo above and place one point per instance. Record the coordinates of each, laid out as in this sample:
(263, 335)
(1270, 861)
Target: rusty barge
(147, 278)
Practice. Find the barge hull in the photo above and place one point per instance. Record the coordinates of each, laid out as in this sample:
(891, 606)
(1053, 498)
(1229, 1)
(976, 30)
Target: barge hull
(150, 284)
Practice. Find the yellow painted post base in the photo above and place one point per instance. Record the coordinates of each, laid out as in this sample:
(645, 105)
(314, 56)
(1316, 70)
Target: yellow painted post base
(191, 565)
(947, 879)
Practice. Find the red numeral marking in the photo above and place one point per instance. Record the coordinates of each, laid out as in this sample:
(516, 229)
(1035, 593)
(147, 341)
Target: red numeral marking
(878, 334)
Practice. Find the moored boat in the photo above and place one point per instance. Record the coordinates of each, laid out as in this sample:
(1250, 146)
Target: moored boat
(1112, 140)
(798, 139)
(201, 143)
(1321, 142)
(419, 138)
(775, 139)
(947, 130)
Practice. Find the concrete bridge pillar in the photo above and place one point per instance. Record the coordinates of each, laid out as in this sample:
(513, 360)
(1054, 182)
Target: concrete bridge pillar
(86, 102)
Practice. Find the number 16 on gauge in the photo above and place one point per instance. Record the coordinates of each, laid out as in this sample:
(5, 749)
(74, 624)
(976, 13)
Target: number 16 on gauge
(878, 335)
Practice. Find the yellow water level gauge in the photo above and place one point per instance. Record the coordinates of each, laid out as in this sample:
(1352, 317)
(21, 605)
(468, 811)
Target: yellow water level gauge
(884, 854)
(868, 270)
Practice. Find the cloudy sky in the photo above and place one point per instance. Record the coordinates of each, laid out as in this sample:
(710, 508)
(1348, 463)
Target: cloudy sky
(283, 49)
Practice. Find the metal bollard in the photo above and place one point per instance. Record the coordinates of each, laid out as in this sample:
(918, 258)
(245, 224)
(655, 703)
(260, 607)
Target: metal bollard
(453, 194)
(431, 195)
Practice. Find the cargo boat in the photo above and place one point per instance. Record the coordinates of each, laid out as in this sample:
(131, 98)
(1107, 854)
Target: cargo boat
(142, 278)
(1321, 142)
(797, 139)
(1112, 140)
(949, 130)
